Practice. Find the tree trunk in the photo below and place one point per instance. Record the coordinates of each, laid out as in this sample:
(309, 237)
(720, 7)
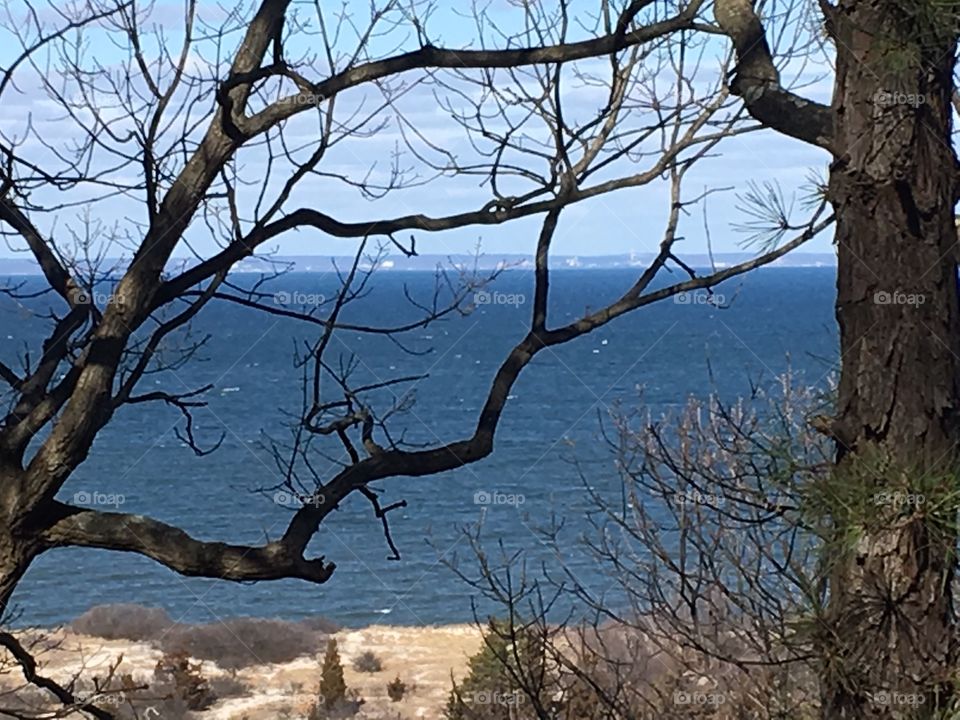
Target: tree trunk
(15, 558)
(18, 544)
(889, 618)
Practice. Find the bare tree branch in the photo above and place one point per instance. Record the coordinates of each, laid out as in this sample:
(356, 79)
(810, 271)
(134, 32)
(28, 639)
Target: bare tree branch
(757, 80)
(172, 547)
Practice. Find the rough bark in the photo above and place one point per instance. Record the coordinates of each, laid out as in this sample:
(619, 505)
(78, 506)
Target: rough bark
(887, 634)
(16, 548)
(890, 611)
(14, 561)
(16, 554)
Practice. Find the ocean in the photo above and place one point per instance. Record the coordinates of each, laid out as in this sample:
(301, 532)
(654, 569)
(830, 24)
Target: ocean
(548, 444)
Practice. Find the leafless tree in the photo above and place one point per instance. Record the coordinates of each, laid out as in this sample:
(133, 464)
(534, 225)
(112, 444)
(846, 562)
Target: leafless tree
(217, 129)
(710, 592)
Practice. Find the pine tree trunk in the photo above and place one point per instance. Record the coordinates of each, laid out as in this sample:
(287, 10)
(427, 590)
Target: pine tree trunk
(889, 617)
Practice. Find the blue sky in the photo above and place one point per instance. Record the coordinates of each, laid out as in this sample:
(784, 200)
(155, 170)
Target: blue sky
(624, 221)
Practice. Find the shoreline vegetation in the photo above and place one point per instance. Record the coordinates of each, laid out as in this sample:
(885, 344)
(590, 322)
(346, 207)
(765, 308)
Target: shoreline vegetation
(127, 656)
(135, 662)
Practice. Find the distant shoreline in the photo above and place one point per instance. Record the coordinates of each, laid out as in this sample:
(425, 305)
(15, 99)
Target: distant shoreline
(26, 267)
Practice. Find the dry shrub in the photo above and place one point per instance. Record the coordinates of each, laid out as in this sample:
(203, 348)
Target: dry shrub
(622, 672)
(162, 699)
(175, 686)
(187, 678)
(25, 700)
(232, 644)
(713, 551)
(177, 691)
(367, 662)
(242, 642)
(636, 671)
(123, 622)
(319, 624)
(228, 686)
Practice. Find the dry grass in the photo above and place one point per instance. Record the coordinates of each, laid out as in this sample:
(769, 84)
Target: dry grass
(423, 658)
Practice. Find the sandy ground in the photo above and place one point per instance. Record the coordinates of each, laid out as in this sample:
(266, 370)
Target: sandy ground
(422, 657)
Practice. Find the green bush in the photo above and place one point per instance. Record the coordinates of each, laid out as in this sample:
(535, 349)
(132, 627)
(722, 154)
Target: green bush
(333, 687)
(334, 701)
(508, 670)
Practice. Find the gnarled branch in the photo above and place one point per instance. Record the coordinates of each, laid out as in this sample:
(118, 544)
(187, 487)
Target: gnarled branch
(172, 547)
(757, 80)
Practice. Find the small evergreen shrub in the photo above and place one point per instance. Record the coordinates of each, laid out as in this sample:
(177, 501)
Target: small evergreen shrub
(396, 689)
(334, 701)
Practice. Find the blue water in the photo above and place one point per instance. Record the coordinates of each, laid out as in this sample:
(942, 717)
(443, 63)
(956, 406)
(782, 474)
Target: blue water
(780, 318)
